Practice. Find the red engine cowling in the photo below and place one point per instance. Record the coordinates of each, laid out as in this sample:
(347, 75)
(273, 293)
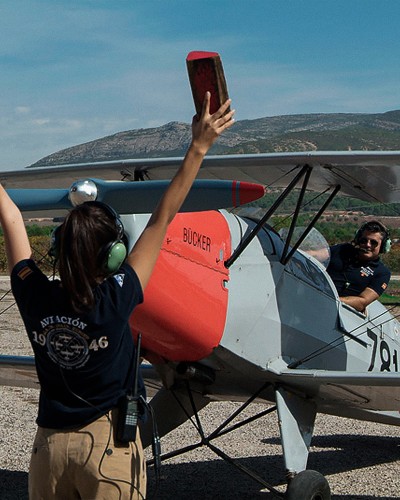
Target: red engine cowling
(185, 303)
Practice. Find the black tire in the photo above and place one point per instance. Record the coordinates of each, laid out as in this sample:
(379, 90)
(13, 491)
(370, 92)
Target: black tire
(308, 485)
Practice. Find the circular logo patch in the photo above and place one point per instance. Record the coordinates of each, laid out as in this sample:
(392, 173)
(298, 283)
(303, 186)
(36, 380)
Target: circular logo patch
(67, 348)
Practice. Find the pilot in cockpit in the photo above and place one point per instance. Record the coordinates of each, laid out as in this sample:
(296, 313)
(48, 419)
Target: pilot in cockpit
(356, 269)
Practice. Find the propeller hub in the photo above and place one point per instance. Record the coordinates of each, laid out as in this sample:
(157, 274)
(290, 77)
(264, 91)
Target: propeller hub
(81, 191)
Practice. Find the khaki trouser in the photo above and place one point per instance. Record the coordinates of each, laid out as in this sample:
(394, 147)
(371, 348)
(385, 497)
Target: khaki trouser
(86, 463)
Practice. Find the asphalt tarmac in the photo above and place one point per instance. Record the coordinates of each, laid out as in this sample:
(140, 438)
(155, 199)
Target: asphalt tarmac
(360, 460)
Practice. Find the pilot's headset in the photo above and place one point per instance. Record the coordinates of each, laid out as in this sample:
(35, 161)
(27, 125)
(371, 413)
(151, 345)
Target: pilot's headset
(375, 226)
(113, 254)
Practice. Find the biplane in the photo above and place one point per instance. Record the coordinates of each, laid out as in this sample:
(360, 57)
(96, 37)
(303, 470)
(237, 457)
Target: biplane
(236, 311)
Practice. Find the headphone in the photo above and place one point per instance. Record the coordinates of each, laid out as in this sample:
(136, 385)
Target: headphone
(375, 226)
(111, 255)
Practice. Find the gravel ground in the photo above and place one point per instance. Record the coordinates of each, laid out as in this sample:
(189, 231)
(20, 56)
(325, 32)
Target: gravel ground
(360, 460)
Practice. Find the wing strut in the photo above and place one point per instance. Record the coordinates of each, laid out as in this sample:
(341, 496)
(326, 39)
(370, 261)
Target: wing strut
(285, 258)
(246, 241)
(225, 428)
(296, 214)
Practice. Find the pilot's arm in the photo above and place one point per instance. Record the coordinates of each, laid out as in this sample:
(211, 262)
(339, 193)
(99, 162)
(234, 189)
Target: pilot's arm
(360, 302)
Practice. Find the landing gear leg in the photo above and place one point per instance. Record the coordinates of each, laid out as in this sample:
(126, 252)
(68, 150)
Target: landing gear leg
(296, 421)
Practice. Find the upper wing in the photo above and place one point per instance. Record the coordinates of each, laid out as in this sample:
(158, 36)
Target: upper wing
(368, 175)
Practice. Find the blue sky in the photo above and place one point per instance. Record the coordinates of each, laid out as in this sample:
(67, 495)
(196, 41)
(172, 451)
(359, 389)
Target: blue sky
(73, 71)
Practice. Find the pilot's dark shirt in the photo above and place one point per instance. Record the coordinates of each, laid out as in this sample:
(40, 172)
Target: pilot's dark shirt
(84, 362)
(351, 276)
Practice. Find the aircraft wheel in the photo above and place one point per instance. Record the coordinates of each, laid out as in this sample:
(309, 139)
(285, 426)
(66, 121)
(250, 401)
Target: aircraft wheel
(308, 485)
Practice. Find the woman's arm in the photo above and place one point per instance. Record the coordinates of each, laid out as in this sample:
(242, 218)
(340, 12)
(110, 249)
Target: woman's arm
(15, 237)
(205, 131)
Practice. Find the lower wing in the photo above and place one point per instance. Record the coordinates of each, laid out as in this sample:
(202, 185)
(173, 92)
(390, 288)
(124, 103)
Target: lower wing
(371, 390)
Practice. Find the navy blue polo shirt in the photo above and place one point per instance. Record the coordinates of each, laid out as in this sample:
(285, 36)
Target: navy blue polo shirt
(85, 362)
(352, 276)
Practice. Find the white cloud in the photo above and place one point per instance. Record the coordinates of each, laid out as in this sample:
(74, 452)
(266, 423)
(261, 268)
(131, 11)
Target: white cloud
(22, 110)
(41, 121)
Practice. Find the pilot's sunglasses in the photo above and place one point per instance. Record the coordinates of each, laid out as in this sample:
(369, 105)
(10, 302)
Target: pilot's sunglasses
(373, 243)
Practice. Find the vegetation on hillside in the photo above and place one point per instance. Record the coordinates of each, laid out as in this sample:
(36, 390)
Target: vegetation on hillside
(307, 132)
(40, 238)
(40, 247)
(313, 201)
(334, 229)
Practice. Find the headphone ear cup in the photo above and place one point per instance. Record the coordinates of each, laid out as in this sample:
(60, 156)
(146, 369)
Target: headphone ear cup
(115, 256)
(54, 250)
(386, 245)
(358, 234)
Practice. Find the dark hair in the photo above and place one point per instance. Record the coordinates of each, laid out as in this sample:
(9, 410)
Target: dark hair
(374, 226)
(86, 230)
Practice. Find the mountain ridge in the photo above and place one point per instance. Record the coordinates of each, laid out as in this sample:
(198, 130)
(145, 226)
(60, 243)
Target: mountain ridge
(285, 133)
